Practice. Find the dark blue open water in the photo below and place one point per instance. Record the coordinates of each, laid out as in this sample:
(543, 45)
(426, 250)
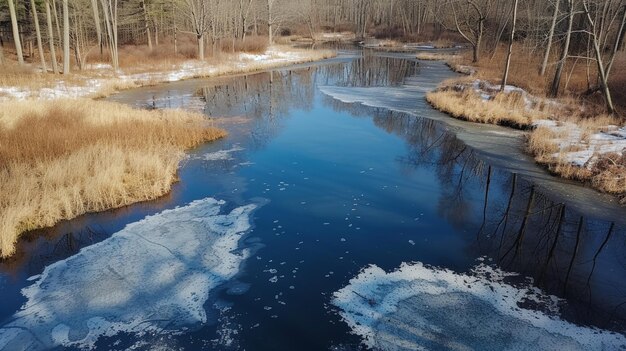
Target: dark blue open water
(341, 186)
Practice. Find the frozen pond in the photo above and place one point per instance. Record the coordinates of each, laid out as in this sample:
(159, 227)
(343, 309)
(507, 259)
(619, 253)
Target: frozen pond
(341, 213)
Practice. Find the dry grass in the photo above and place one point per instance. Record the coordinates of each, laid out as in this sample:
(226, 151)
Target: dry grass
(524, 73)
(147, 71)
(607, 173)
(462, 102)
(430, 56)
(64, 158)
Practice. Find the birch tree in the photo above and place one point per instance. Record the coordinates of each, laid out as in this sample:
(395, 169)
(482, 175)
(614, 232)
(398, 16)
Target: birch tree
(38, 33)
(53, 55)
(556, 82)
(66, 37)
(16, 33)
(507, 64)
(546, 55)
(196, 12)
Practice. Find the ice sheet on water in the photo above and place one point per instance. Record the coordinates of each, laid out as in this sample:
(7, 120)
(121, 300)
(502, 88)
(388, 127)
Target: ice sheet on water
(418, 307)
(221, 154)
(153, 276)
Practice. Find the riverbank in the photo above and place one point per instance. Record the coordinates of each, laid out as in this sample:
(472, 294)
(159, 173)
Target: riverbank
(91, 156)
(572, 139)
(99, 80)
(64, 158)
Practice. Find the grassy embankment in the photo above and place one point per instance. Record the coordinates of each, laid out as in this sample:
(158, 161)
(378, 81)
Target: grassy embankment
(141, 67)
(63, 158)
(577, 120)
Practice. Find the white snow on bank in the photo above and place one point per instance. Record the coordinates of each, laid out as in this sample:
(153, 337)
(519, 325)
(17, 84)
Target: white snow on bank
(155, 275)
(575, 147)
(584, 151)
(186, 70)
(418, 307)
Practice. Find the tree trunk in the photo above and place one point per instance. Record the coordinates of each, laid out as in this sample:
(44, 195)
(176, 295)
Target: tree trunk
(604, 86)
(147, 22)
(554, 89)
(96, 18)
(16, 33)
(110, 21)
(479, 39)
(546, 56)
(270, 23)
(200, 46)
(618, 40)
(39, 45)
(510, 51)
(53, 55)
(66, 38)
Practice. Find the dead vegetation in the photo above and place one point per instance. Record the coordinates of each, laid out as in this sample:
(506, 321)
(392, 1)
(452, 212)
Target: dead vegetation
(521, 108)
(460, 100)
(63, 158)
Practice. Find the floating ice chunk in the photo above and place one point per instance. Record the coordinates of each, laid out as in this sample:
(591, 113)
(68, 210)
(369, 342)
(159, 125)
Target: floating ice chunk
(418, 307)
(155, 275)
(221, 154)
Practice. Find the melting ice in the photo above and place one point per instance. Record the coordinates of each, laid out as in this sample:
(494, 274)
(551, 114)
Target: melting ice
(418, 307)
(153, 276)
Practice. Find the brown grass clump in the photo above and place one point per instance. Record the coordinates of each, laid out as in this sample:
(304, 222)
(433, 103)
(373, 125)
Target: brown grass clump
(60, 159)
(610, 175)
(464, 103)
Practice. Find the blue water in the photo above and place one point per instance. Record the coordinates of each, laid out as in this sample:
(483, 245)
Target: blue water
(342, 186)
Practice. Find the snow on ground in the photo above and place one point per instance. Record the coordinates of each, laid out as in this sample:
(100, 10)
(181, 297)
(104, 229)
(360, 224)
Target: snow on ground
(575, 146)
(155, 276)
(418, 307)
(584, 150)
(190, 69)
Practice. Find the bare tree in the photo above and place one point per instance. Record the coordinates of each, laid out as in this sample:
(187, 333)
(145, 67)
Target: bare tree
(556, 82)
(53, 55)
(197, 14)
(96, 18)
(546, 55)
(469, 22)
(507, 65)
(16, 33)
(109, 8)
(38, 32)
(595, 33)
(66, 37)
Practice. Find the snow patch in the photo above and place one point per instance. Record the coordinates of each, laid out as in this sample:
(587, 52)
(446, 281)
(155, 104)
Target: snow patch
(155, 275)
(418, 307)
(580, 150)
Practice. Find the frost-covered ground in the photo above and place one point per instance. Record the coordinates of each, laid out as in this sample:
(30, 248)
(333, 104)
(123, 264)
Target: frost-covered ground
(584, 149)
(418, 307)
(100, 79)
(153, 276)
(576, 145)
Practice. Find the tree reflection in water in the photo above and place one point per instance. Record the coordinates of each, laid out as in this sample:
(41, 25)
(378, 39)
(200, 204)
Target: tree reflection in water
(515, 225)
(505, 217)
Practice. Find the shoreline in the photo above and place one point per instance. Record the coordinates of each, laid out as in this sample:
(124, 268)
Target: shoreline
(585, 150)
(500, 146)
(44, 108)
(100, 82)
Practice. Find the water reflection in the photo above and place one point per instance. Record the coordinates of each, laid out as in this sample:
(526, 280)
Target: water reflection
(509, 220)
(491, 212)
